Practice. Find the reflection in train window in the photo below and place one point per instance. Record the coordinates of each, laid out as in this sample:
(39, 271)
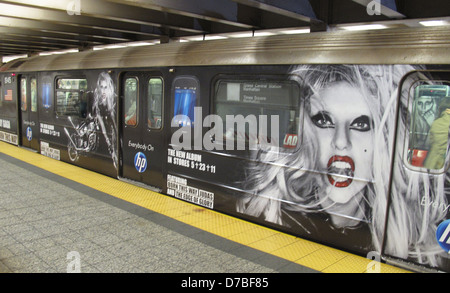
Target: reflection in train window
(46, 95)
(71, 97)
(256, 99)
(185, 97)
(429, 130)
(154, 103)
(131, 101)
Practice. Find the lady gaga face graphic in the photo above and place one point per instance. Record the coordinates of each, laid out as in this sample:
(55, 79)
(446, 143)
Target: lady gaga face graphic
(343, 124)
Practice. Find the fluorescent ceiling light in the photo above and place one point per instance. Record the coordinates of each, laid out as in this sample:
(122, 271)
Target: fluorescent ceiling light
(192, 39)
(115, 46)
(58, 52)
(215, 37)
(202, 38)
(112, 46)
(364, 27)
(296, 31)
(433, 23)
(6, 59)
(263, 34)
(138, 44)
(66, 51)
(240, 35)
(244, 34)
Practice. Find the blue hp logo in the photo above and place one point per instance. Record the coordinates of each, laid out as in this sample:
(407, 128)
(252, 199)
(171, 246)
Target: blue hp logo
(140, 162)
(29, 133)
(442, 235)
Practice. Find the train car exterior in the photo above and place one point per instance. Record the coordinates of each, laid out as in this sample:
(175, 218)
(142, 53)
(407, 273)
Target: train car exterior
(340, 138)
(8, 110)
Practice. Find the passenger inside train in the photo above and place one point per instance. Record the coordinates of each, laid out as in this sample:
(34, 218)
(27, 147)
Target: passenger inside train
(427, 103)
(439, 133)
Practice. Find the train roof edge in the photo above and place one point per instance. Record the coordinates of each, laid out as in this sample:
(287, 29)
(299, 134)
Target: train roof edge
(389, 46)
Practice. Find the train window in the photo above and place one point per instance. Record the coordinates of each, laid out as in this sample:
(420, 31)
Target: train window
(430, 124)
(71, 97)
(131, 101)
(46, 89)
(23, 94)
(154, 103)
(33, 90)
(267, 99)
(185, 93)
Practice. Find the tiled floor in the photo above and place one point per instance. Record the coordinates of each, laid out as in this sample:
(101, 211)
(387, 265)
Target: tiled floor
(53, 214)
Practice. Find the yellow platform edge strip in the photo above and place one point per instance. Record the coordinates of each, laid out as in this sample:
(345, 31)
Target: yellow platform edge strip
(310, 254)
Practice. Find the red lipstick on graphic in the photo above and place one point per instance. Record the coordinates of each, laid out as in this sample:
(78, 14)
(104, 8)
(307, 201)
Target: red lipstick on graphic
(340, 171)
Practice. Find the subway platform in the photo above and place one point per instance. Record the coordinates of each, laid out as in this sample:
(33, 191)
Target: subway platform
(58, 218)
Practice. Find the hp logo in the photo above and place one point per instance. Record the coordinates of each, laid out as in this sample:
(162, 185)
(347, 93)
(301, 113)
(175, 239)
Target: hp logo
(29, 133)
(140, 162)
(442, 235)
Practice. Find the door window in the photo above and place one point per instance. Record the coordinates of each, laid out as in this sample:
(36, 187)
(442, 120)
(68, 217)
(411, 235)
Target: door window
(154, 103)
(430, 124)
(23, 94)
(33, 90)
(131, 101)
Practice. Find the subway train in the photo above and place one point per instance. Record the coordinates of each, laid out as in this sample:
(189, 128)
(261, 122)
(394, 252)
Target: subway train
(336, 137)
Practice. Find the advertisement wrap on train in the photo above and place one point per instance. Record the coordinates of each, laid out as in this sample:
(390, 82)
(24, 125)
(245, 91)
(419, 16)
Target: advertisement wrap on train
(353, 155)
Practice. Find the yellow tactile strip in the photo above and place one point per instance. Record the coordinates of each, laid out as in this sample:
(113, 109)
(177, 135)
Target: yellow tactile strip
(303, 252)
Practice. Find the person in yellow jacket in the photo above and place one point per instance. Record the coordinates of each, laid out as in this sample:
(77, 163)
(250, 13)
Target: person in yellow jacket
(439, 134)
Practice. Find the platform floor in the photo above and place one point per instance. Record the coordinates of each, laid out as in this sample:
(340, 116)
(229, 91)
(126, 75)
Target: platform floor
(58, 218)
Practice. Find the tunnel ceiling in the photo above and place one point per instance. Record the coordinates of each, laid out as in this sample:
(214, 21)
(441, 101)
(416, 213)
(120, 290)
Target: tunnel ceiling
(31, 27)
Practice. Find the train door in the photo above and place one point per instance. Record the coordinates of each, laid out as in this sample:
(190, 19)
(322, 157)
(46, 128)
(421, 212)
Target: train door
(143, 148)
(418, 221)
(28, 112)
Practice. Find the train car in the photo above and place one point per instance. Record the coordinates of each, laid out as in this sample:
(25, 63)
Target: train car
(338, 137)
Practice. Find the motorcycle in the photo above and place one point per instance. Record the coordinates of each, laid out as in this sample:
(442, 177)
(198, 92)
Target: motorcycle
(84, 139)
